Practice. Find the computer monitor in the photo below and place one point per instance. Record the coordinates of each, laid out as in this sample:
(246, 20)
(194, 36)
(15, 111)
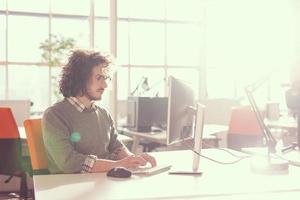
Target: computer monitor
(139, 114)
(180, 121)
(147, 113)
(159, 112)
(185, 121)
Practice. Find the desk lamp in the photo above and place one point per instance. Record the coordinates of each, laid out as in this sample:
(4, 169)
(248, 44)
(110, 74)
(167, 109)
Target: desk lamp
(265, 165)
(143, 84)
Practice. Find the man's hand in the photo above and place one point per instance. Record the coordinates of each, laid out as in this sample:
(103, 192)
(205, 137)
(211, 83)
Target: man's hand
(149, 159)
(132, 161)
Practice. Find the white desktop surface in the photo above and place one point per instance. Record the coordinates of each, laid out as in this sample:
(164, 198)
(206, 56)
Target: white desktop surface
(217, 182)
(283, 122)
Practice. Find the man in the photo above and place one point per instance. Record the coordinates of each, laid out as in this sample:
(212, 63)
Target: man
(80, 136)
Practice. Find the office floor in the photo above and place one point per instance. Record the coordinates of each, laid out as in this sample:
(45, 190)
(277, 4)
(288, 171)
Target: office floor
(13, 186)
(14, 196)
(8, 195)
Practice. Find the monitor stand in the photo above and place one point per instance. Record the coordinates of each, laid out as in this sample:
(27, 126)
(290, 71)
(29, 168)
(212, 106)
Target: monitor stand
(199, 112)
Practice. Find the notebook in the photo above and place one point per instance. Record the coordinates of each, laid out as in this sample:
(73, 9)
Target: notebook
(148, 170)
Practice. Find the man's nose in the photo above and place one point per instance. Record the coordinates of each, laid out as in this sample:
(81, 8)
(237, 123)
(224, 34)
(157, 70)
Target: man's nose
(104, 84)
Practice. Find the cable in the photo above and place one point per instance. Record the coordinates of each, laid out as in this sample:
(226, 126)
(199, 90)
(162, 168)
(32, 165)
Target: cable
(187, 130)
(226, 150)
(216, 161)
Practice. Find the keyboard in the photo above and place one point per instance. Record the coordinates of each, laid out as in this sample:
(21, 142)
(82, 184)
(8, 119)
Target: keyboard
(147, 170)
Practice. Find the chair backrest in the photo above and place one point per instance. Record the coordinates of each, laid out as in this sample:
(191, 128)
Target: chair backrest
(20, 109)
(243, 122)
(36, 145)
(10, 143)
(8, 125)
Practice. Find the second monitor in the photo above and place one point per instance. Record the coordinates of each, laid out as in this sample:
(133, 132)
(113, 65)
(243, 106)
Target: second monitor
(147, 113)
(185, 120)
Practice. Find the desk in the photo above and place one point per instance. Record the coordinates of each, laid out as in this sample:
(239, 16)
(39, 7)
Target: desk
(209, 132)
(288, 123)
(217, 182)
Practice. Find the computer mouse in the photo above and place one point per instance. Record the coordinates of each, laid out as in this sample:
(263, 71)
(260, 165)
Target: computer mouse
(119, 172)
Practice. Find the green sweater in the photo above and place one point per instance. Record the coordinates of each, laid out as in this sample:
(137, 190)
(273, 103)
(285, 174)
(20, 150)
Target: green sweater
(70, 136)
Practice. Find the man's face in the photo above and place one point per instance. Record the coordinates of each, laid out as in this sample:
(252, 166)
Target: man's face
(96, 84)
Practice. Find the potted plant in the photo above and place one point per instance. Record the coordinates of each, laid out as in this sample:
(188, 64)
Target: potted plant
(54, 52)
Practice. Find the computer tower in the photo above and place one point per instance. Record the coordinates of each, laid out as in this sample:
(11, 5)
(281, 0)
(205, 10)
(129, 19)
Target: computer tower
(139, 117)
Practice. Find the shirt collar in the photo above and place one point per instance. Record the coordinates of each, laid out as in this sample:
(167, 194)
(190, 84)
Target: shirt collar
(78, 105)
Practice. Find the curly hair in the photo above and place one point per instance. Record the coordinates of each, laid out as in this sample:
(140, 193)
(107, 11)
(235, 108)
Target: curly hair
(77, 71)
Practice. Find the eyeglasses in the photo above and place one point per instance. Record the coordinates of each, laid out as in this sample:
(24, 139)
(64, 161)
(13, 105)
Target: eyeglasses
(104, 78)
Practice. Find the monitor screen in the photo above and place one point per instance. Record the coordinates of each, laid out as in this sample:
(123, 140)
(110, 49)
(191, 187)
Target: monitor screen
(180, 121)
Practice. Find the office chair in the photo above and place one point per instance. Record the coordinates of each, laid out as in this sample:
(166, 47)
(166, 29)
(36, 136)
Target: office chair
(12, 162)
(39, 162)
(244, 129)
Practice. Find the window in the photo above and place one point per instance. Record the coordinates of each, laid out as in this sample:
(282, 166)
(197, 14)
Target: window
(25, 48)
(38, 6)
(69, 7)
(2, 81)
(102, 39)
(2, 37)
(241, 50)
(102, 8)
(2, 5)
(146, 9)
(27, 78)
(147, 48)
(55, 77)
(183, 42)
(78, 29)
(156, 39)
(143, 51)
(122, 83)
(123, 42)
(28, 82)
(220, 83)
(184, 10)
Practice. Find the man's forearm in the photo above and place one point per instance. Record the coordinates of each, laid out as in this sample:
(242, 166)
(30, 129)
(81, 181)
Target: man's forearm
(122, 152)
(103, 165)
